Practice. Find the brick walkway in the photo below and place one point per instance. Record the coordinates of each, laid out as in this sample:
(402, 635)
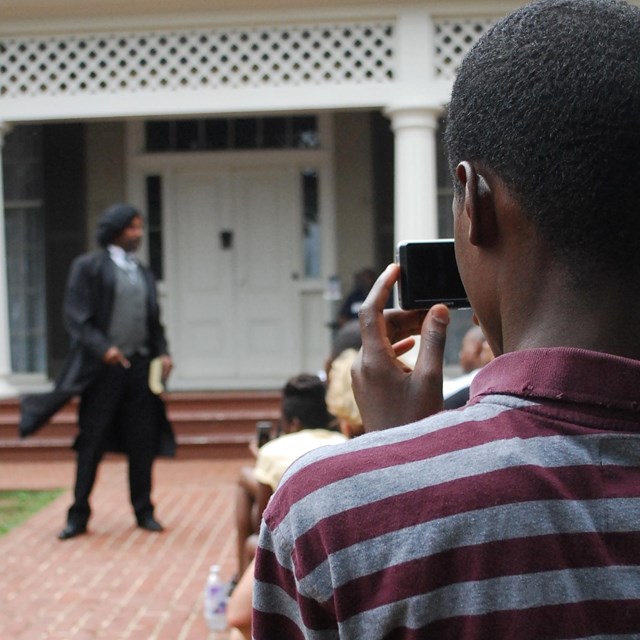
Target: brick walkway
(118, 581)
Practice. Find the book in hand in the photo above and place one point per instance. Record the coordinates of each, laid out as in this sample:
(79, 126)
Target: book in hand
(156, 383)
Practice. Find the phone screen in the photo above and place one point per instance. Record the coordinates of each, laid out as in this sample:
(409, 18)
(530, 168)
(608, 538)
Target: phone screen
(429, 275)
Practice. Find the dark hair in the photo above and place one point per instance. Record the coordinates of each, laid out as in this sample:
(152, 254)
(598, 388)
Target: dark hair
(303, 397)
(114, 220)
(549, 100)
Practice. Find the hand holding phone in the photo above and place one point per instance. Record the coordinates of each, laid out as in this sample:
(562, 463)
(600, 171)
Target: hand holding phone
(429, 275)
(388, 392)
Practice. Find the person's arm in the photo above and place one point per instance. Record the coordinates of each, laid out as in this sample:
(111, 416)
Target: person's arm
(79, 310)
(263, 494)
(387, 392)
(239, 604)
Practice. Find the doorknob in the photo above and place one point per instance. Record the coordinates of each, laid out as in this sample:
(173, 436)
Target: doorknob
(295, 276)
(226, 239)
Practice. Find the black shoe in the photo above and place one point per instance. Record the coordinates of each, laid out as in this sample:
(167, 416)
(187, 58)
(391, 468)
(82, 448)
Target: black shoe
(150, 524)
(72, 530)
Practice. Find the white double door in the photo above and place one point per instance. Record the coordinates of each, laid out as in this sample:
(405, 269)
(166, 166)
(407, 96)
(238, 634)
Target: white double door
(234, 267)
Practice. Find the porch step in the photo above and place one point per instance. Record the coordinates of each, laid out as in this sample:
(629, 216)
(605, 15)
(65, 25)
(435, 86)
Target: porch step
(207, 425)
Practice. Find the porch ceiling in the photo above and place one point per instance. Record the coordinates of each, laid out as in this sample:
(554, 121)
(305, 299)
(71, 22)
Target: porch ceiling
(18, 10)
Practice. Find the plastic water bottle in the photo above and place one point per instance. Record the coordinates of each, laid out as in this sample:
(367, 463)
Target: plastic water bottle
(215, 601)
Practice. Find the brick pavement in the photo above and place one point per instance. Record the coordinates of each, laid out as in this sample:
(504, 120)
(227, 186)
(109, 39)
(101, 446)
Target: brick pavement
(117, 582)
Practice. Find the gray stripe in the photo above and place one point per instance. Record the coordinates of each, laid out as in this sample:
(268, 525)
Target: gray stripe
(363, 489)
(271, 599)
(489, 408)
(487, 525)
(362, 492)
(500, 594)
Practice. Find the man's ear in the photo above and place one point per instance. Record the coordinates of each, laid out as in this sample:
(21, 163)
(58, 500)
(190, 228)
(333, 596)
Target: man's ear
(478, 205)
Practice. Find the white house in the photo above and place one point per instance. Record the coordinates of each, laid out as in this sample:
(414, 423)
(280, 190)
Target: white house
(271, 144)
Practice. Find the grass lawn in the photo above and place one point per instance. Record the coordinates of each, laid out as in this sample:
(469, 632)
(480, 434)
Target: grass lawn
(17, 506)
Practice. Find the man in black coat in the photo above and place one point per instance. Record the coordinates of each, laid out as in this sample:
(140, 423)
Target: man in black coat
(112, 315)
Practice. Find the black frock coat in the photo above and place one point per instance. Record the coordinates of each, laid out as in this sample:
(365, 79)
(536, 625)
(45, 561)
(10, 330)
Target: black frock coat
(88, 305)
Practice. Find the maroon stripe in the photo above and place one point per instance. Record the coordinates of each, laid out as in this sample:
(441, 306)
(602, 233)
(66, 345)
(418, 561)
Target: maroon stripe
(577, 620)
(267, 626)
(485, 561)
(497, 488)
(268, 570)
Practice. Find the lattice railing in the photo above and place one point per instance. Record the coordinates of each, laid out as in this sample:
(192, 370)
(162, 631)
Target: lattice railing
(194, 59)
(454, 38)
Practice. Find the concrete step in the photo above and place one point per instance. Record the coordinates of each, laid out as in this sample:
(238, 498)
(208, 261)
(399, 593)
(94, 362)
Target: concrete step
(207, 425)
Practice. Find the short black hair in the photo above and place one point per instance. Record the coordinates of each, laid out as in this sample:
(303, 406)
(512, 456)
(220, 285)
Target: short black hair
(549, 100)
(303, 397)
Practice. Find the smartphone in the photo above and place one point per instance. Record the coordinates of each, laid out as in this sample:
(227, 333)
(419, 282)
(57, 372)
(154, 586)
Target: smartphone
(429, 275)
(263, 432)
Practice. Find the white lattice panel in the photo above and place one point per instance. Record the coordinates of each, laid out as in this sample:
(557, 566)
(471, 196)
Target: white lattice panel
(453, 40)
(112, 63)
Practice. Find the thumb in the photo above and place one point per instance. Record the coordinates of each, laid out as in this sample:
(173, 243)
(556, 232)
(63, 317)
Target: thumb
(430, 360)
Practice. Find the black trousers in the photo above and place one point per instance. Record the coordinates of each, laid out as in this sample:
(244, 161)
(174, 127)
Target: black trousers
(119, 400)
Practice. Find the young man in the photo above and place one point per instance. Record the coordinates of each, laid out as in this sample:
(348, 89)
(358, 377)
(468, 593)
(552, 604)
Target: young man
(517, 516)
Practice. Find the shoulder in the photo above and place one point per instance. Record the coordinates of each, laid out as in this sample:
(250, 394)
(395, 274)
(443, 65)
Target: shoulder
(91, 260)
(374, 466)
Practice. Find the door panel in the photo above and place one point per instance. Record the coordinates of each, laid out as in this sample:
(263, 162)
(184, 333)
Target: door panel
(202, 287)
(265, 297)
(236, 305)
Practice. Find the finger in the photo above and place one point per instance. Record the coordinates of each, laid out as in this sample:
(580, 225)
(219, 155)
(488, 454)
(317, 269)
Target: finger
(371, 314)
(403, 324)
(403, 346)
(123, 361)
(430, 360)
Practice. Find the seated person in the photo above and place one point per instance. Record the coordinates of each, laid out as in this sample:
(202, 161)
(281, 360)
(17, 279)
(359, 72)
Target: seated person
(341, 403)
(340, 399)
(474, 354)
(306, 424)
(364, 280)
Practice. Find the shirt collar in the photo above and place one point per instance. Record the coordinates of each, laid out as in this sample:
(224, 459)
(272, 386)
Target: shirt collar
(563, 374)
(118, 254)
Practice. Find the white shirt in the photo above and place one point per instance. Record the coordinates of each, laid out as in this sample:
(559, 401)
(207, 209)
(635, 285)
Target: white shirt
(123, 260)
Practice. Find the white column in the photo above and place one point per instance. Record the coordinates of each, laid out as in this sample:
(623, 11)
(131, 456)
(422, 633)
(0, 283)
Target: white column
(416, 203)
(6, 388)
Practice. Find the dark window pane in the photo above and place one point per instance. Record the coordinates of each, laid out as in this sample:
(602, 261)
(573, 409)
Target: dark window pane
(155, 255)
(274, 133)
(216, 134)
(154, 225)
(158, 135)
(187, 138)
(246, 133)
(311, 226)
(305, 132)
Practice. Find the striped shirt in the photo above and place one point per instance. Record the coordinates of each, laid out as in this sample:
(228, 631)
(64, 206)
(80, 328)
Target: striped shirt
(517, 516)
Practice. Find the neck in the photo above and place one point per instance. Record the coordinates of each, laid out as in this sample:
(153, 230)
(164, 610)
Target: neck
(603, 318)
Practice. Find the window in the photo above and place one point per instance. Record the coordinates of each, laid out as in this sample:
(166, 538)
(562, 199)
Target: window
(154, 225)
(277, 132)
(24, 225)
(311, 224)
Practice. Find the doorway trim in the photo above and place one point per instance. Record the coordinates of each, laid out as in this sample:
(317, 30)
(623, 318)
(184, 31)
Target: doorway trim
(314, 311)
